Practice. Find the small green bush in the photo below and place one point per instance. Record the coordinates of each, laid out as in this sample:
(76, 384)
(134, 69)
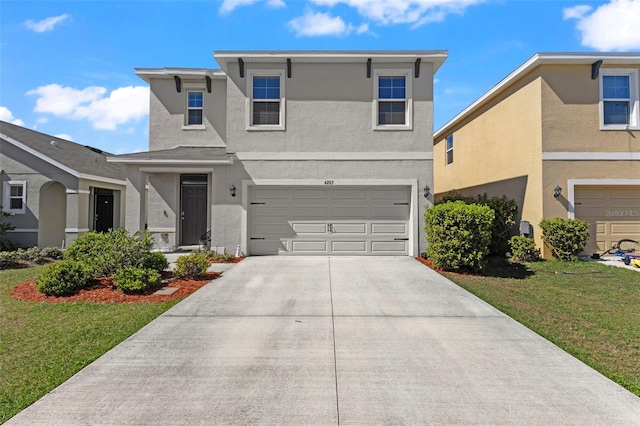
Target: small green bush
(8, 259)
(523, 249)
(505, 210)
(191, 266)
(106, 253)
(156, 261)
(214, 256)
(458, 235)
(135, 280)
(32, 254)
(52, 252)
(566, 238)
(63, 278)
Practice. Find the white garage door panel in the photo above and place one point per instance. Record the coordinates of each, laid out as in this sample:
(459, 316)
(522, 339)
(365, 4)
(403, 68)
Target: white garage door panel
(389, 246)
(612, 212)
(349, 246)
(333, 220)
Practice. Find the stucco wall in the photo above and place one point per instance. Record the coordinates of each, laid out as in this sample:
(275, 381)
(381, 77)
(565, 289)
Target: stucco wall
(167, 114)
(497, 151)
(571, 113)
(329, 107)
(226, 211)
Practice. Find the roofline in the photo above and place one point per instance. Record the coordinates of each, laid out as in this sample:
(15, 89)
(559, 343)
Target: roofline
(541, 58)
(59, 165)
(40, 155)
(156, 161)
(437, 57)
(147, 73)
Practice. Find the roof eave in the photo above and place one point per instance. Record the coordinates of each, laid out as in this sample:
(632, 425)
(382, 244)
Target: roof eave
(536, 60)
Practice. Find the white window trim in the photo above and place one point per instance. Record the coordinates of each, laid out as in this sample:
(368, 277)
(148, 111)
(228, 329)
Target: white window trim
(634, 103)
(407, 73)
(447, 150)
(190, 87)
(249, 99)
(7, 193)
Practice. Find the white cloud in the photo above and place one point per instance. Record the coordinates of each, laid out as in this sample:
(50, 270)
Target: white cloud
(416, 12)
(319, 24)
(362, 29)
(104, 111)
(46, 24)
(7, 115)
(576, 12)
(64, 136)
(612, 26)
(229, 5)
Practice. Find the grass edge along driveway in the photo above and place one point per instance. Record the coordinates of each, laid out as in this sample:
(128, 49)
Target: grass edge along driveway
(589, 310)
(44, 344)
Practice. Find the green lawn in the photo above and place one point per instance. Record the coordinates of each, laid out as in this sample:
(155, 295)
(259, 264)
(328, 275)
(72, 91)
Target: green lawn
(43, 344)
(590, 310)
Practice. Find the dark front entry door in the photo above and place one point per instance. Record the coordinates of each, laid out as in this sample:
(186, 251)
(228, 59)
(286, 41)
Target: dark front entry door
(103, 209)
(194, 208)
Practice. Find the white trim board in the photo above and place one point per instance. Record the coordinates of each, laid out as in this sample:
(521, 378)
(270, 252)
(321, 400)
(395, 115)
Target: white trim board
(591, 156)
(572, 183)
(333, 156)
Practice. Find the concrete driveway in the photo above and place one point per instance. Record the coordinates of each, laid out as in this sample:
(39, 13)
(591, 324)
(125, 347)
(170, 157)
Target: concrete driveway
(334, 341)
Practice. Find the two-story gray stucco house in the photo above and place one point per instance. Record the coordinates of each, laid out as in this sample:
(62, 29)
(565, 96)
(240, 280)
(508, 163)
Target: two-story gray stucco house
(57, 190)
(289, 152)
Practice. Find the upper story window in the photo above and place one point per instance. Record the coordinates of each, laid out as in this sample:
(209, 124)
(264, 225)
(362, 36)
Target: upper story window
(449, 149)
(619, 99)
(266, 106)
(392, 100)
(195, 108)
(15, 197)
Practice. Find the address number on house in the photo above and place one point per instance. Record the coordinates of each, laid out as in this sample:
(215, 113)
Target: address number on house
(328, 182)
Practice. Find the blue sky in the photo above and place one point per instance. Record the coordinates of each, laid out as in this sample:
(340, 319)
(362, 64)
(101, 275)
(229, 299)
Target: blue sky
(67, 67)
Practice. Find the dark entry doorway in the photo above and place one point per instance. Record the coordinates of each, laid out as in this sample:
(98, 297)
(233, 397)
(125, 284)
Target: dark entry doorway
(193, 204)
(103, 210)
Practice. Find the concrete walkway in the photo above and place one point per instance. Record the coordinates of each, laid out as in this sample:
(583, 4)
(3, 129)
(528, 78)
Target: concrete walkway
(334, 341)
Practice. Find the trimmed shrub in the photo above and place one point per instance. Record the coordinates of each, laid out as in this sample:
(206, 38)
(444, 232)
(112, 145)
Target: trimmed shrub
(523, 249)
(63, 278)
(214, 256)
(191, 266)
(505, 210)
(566, 238)
(32, 254)
(8, 259)
(156, 261)
(135, 280)
(106, 253)
(52, 252)
(458, 235)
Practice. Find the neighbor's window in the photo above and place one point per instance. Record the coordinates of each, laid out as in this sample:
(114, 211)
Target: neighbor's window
(449, 149)
(392, 100)
(266, 105)
(619, 99)
(195, 108)
(15, 197)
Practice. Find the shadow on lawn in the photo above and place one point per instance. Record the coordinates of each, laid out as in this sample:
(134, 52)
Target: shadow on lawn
(499, 267)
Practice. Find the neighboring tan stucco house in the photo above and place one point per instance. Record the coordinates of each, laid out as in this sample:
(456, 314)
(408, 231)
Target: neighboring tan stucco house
(563, 124)
(57, 190)
(289, 152)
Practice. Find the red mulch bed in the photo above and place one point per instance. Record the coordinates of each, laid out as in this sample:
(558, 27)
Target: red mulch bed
(102, 290)
(428, 263)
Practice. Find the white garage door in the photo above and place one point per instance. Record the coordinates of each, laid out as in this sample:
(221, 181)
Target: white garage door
(329, 220)
(612, 211)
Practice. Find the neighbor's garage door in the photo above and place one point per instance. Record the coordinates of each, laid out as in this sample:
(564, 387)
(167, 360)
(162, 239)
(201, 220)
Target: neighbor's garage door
(329, 220)
(612, 211)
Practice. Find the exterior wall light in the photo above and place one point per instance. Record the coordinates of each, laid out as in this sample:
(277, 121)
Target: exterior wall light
(232, 190)
(556, 191)
(426, 191)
